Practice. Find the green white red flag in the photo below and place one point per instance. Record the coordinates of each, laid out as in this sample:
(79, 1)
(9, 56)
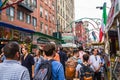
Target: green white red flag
(103, 24)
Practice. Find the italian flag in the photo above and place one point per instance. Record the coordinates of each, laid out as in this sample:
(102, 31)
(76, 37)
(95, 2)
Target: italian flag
(103, 24)
(101, 33)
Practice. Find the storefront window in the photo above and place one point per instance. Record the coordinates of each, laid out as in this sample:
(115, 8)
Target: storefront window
(16, 35)
(27, 38)
(7, 34)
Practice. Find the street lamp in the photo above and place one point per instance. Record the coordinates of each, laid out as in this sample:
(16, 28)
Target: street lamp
(99, 7)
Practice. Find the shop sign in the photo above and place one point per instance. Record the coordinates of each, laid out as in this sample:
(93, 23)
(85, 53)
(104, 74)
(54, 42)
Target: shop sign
(110, 16)
(114, 11)
(68, 39)
(41, 40)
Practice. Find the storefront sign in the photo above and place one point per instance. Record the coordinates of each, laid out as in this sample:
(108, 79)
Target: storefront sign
(68, 37)
(41, 40)
(110, 17)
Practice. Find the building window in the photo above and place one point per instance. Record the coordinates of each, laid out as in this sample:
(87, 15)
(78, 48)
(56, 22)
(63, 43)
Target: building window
(46, 29)
(27, 2)
(41, 11)
(58, 10)
(61, 12)
(35, 3)
(10, 13)
(50, 17)
(50, 30)
(49, 3)
(41, 26)
(46, 15)
(53, 6)
(46, 1)
(53, 19)
(20, 15)
(34, 21)
(28, 19)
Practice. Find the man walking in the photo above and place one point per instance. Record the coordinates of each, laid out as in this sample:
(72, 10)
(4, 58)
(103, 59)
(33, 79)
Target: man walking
(10, 69)
(57, 67)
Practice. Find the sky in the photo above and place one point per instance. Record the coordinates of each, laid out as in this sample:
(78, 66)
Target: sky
(87, 8)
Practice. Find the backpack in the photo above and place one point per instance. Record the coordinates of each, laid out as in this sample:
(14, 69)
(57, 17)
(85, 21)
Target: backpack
(45, 71)
(70, 68)
(86, 72)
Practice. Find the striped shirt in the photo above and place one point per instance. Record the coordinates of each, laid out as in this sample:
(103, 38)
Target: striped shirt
(12, 70)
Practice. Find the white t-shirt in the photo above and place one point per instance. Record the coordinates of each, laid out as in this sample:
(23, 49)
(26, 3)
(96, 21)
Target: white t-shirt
(95, 61)
(78, 67)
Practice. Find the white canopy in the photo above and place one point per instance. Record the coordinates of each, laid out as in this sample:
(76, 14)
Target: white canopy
(69, 45)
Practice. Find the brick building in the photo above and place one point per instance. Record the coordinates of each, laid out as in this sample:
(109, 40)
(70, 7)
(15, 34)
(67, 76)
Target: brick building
(80, 32)
(37, 15)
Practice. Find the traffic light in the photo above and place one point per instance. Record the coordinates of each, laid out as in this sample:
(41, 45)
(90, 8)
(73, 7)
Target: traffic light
(57, 35)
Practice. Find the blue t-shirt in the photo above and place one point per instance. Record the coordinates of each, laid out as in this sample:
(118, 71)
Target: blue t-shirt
(57, 71)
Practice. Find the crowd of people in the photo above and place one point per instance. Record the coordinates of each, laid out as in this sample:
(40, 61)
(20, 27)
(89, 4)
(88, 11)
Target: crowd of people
(18, 64)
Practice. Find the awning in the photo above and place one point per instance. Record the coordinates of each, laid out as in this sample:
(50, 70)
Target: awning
(49, 37)
(3, 24)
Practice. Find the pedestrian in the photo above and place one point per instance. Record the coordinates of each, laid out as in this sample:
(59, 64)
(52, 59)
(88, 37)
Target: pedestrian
(57, 68)
(85, 70)
(63, 57)
(10, 69)
(27, 60)
(70, 67)
(2, 56)
(81, 53)
(39, 58)
(57, 57)
(96, 63)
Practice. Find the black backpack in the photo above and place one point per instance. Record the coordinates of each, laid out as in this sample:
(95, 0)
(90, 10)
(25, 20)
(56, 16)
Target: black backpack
(86, 72)
(45, 71)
